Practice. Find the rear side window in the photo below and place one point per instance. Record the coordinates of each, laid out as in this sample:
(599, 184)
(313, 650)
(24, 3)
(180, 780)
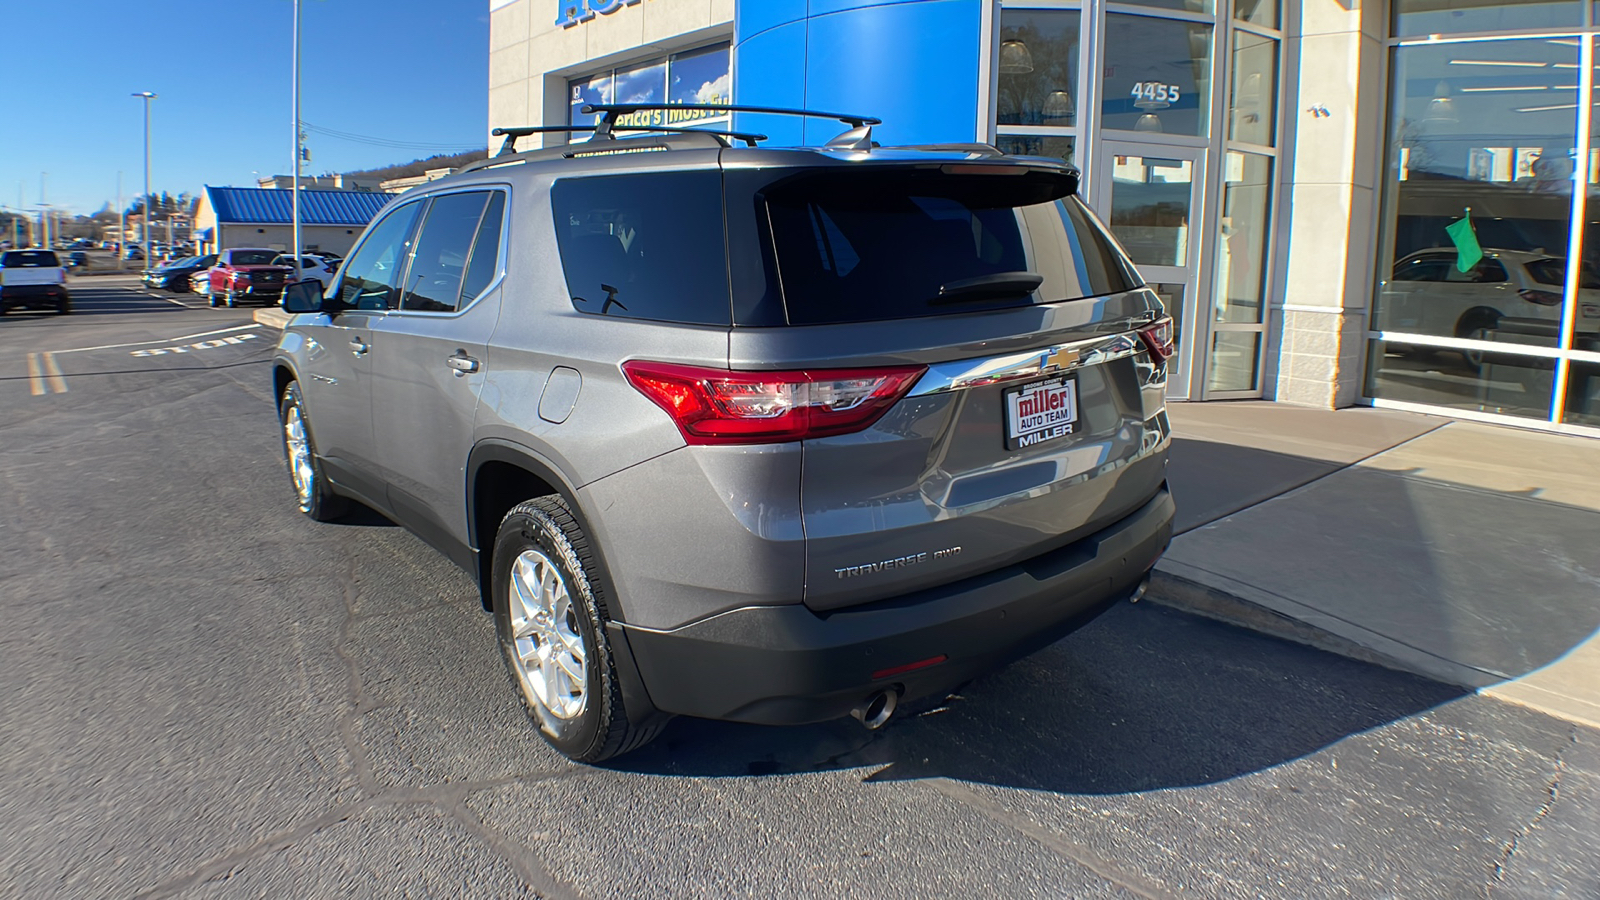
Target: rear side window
(29, 259)
(892, 245)
(646, 246)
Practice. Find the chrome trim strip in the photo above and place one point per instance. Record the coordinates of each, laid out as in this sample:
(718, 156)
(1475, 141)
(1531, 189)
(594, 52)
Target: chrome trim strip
(968, 373)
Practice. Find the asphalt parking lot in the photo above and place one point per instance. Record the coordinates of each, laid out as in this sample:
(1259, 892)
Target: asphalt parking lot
(209, 695)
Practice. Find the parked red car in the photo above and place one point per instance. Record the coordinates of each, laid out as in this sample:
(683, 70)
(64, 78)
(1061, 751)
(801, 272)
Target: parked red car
(247, 274)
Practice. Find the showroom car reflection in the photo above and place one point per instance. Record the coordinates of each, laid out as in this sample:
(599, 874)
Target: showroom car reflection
(1511, 296)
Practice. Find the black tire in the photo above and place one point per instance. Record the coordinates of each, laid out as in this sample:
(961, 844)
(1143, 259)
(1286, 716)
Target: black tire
(601, 730)
(64, 307)
(1476, 325)
(318, 501)
(211, 299)
(229, 300)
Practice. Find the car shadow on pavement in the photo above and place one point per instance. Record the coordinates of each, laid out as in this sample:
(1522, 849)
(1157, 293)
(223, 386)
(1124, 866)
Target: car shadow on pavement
(1143, 698)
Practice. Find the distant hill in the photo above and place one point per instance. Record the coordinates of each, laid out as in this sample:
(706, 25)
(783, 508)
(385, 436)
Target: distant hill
(419, 166)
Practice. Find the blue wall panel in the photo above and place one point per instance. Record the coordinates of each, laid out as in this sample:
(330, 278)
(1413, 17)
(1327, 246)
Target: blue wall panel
(776, 60)
(914, 63)
(755, 16)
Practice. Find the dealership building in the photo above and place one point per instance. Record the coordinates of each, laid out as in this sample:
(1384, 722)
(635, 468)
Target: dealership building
(1341, 203)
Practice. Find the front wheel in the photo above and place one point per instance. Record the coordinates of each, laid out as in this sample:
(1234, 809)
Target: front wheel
(230, 300)
(549, 615)
(311, 489)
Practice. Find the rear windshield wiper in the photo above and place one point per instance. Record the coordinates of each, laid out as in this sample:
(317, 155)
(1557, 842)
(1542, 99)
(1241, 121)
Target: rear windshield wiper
(989, 287)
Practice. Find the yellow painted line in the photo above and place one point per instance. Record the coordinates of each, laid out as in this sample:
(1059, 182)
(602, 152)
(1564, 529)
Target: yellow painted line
(58, 382)
(35, 377)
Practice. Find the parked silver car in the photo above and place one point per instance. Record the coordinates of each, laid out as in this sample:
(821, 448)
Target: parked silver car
(765, 435)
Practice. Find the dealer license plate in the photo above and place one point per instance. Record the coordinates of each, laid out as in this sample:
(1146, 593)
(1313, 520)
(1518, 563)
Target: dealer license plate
(1041, 411)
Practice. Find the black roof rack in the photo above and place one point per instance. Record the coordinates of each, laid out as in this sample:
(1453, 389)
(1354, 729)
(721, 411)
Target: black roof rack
(512, 134)
(613, 110)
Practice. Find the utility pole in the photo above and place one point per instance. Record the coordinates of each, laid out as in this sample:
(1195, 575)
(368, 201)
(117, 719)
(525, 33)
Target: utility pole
(122, 226)
(149, 205)
(294, 88)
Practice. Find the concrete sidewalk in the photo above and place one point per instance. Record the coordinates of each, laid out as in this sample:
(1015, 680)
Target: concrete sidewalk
(1465, 552)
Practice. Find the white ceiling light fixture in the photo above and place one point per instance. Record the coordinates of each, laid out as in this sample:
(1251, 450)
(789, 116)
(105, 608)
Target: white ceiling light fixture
(1015, 58)
(1516, 64)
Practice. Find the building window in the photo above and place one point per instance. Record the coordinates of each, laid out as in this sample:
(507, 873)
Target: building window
(1473, 285)
(695, 76)
(1157, 75)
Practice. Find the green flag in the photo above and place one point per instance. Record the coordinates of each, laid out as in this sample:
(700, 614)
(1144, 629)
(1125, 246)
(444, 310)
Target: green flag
(1468, 252)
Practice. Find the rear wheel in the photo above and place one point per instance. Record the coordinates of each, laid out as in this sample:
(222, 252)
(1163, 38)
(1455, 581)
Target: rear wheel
(63, 307)
(311, 489)
(550, 615)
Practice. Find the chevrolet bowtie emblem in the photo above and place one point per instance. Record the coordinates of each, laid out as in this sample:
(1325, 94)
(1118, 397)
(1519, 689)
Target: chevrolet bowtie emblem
(1064, 358)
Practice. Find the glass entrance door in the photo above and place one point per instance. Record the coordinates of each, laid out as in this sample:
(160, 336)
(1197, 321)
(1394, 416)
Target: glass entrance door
(1152, 197)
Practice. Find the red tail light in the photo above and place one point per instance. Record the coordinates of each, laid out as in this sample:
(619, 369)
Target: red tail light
(719, 406)
(1161, 339)
(1541, 298)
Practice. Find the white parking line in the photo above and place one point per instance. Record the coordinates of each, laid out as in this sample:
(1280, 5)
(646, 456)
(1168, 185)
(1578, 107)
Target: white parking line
(171, 340)
(58, 382)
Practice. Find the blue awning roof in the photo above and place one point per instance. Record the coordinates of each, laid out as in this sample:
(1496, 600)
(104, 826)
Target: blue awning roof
(270, 206)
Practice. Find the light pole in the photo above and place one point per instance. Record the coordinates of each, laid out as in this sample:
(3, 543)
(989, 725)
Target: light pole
(144, 232)
(294, 88)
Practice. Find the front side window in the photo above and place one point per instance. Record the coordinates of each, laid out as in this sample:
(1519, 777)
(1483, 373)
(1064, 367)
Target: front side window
(372, 275)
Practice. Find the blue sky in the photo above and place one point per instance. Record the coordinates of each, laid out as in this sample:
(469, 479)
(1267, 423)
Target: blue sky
(402, 70)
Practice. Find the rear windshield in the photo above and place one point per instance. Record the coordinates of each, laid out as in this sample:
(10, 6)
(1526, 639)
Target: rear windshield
(253, 257)
(29, 259)
(855, 247)
(646, 246)
(1554, 272)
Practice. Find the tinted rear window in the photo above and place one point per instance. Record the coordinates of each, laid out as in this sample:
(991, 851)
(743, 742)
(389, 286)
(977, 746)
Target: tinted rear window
(646, 246)
(873, 245)
(253, 257)
(28, 259)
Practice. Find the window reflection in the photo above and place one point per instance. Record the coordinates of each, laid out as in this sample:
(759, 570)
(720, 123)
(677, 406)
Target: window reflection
(1036, 145)
(1418, 17)
(1150, 201)
(1038, 68)
(1481, 177)
(1157, 75)
(1252, 100)
(1242, 247)
(1505, 383)
(1233, 360)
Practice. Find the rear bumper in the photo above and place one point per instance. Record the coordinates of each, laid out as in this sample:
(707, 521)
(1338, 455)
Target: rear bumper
(786, 665)
(32, 294)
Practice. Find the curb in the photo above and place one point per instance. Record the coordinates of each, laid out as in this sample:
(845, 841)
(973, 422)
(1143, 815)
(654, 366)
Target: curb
(272, 317)
(1186, 595)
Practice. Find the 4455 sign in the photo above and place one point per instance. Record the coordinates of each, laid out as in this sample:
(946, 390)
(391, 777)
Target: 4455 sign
(575, 11)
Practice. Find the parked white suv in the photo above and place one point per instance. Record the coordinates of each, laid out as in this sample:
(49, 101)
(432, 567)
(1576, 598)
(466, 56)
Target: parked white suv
(33, 279)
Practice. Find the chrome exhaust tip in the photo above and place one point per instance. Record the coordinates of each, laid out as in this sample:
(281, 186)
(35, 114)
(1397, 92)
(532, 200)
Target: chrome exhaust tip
(877, 710)
(1138, 591)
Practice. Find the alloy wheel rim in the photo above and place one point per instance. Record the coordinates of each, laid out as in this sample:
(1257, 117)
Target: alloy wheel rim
(294, 438)
(550, 657)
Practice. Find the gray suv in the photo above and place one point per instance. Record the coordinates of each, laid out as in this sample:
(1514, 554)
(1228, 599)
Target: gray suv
(747, 433)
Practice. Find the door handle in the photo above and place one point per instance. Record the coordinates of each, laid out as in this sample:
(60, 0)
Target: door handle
(462, 363)
(359, 347)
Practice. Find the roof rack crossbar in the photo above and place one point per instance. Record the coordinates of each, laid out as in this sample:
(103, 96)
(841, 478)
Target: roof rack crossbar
(512, 134)
(614, 110)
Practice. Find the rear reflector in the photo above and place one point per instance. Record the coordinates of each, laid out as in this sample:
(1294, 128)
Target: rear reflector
(1161, 339)
(719, 406)
(909, 667)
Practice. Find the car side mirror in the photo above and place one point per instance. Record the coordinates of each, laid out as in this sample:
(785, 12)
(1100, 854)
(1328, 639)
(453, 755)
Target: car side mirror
(303, 296)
